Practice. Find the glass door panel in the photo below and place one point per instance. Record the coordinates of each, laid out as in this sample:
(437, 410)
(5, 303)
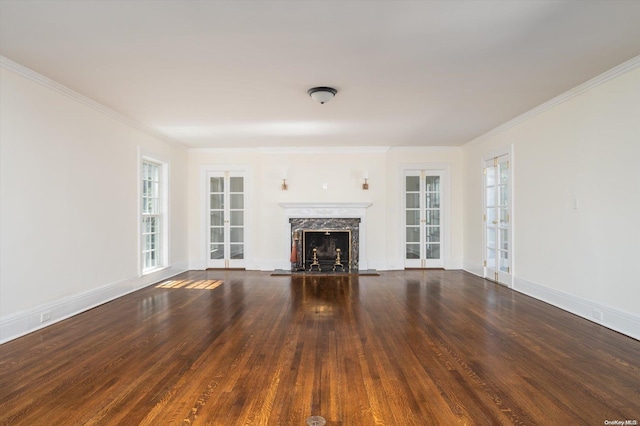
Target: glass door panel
(226, 239)
(423, 219)
(497, 262)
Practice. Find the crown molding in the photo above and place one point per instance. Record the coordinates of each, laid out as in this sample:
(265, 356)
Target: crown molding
(325, 150)
(51, 84)
(569, 94)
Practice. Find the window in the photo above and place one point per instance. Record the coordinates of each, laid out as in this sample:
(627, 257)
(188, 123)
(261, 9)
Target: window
(152, 216)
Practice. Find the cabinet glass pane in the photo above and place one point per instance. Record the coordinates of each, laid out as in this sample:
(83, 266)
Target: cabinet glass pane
(217, 218)
(217, 251)
(433, 251)
(433, 200)
(412, 183)
(413, 251)
(217, 184)
(432, 183)
(413, 217)
(217, 201)
(237, 251)
(237, 218)
(217, 235)
(237, 201)
(413, 234)
(433, 217)
(413, 201)
(433, 234)
(236, 235)
(236, 184)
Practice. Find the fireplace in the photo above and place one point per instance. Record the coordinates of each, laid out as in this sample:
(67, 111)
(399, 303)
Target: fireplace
(325, 235)
(335, 218)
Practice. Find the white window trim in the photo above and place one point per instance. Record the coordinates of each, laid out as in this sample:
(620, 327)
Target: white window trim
(165, 216)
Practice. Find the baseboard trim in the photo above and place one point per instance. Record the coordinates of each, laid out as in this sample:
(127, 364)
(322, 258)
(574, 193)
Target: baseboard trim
(615, 319)
(21, 323)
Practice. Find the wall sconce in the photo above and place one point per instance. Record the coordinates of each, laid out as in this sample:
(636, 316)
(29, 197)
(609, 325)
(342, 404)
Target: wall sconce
(365, 185)
(284, 186)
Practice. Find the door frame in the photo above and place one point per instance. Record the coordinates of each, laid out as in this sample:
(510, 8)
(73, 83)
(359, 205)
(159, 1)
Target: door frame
(503, 278)
(205, 170)
(444, 170)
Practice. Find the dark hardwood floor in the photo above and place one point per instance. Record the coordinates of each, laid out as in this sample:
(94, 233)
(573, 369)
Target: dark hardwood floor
(404, 348)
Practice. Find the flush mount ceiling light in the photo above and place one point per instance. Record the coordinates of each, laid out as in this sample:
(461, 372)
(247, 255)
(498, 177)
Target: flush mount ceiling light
(322, 94)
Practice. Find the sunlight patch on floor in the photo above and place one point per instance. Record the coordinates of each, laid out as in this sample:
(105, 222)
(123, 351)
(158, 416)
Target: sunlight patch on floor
(191, 284)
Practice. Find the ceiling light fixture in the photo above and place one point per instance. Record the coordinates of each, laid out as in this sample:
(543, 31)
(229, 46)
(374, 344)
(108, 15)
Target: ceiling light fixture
(322, 94)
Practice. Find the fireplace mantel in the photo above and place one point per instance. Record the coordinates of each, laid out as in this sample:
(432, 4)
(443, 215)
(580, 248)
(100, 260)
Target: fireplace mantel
(334, 210)
(325, 209)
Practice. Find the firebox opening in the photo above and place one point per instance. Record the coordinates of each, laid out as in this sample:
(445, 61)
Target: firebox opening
(327, 244)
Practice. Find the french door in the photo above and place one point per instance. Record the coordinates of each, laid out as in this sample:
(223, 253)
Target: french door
(423, 219)
(497, 220)
(226, 219)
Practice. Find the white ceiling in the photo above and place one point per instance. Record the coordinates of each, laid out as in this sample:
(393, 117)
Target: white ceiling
(236, 73)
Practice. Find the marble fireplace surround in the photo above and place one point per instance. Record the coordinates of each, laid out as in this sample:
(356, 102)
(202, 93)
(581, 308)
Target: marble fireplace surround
(338, 216)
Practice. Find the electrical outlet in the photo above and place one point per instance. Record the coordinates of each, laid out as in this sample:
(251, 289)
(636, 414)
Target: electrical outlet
(45, 316)
(597, 314)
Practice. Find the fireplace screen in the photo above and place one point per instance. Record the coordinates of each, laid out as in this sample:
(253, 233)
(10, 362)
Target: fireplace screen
(326, 250)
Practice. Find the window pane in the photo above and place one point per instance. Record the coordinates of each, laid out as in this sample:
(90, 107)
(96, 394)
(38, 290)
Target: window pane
(237, 218)
(491, 237)
(217, 184)
(433, 217)
(236, 184)
(504, 239)
(432, 183)
(433, 234)
(217, 251)
(413, 251)
(217, 218)
(413, 217)
(217, 235)
(413, 234)
(491, 176)
(491, 197)
(433, 251)
(491, 216)
(237, 235)
(504, 195)
(217, 201)
(504, 261)
(491, 258)
(504, 173)
(504, 214)
(433, 200)
(413, 201)
(412, 183)
(237, 201)
(237, 251)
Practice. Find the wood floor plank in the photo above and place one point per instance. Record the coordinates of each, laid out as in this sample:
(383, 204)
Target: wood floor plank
(246, 348)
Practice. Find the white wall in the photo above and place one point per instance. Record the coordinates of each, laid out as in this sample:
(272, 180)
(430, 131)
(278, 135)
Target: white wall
(307, 170)
(69, 205)
(587, 148)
